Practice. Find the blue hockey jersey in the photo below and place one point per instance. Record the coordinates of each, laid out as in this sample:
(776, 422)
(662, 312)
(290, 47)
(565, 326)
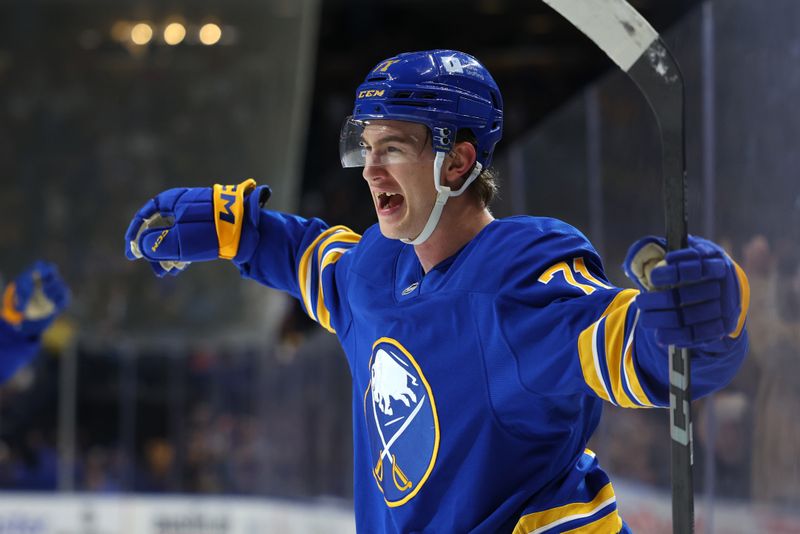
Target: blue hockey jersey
(17, 347)
(477, 385)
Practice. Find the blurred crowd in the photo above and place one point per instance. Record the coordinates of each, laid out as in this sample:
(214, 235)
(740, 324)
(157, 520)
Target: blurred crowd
(89, 130)
(213, 420)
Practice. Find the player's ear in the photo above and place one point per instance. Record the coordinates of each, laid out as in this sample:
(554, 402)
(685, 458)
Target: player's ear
(459, 162)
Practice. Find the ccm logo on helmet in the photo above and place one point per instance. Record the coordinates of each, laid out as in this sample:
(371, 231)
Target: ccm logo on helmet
(370, 92)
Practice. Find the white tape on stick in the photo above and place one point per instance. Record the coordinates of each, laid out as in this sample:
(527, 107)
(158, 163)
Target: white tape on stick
(618, 29)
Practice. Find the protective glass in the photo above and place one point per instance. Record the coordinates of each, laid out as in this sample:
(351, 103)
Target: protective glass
(384, 143)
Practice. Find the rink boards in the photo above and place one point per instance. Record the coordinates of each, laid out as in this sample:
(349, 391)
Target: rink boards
(645, 509)
(48, 513)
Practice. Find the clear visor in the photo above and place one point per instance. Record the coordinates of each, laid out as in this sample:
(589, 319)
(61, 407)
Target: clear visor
(383, 142)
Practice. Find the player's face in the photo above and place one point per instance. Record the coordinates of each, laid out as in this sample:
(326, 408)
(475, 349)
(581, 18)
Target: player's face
(399, 171)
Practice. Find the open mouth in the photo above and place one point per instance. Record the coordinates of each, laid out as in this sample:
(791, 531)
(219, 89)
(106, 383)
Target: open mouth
(388, 202)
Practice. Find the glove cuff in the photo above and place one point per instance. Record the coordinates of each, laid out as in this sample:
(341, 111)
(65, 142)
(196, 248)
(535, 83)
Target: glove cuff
(229, 214)
(250, 235)
(744, 299)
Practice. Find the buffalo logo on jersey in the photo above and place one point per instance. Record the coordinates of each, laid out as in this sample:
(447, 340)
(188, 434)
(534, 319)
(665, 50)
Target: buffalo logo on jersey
(401, 420)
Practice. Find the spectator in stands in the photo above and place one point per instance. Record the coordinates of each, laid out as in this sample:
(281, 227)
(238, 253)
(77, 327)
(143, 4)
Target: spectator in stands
(776, 433)
(30, 304)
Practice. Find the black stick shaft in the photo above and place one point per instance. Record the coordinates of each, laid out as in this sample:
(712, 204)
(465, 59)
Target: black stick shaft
(634, 45)
(657, 75)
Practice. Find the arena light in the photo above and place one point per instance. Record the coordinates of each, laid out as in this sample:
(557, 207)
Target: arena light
(121, 31)
(174, 33)
(141, 33)
(210, 34)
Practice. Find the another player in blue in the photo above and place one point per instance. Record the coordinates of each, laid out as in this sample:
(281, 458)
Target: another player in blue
(30, 304)
(481, 349)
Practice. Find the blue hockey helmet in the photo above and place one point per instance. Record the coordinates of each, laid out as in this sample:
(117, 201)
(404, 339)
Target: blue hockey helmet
(445, 90)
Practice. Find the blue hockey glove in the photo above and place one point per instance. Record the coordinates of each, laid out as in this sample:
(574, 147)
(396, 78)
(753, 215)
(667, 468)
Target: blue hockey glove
(34, 299)
(184, 224)
(692, 297)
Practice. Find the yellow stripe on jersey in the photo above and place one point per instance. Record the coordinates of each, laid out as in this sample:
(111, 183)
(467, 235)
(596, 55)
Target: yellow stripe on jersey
(335, 234)
(616, 346)
(619, 351)
(587, 350)
(616, 313)
(547, 520)
(330, 257)
(323, 315)
(744, 290)
(611, 523)
(304, 269)
(9, 312)
(630, 371)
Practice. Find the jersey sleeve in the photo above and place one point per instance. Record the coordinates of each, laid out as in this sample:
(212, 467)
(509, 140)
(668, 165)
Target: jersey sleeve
(307, 259)
(570, 331)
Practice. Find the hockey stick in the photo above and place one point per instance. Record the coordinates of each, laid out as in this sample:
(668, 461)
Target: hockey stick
(632, 43)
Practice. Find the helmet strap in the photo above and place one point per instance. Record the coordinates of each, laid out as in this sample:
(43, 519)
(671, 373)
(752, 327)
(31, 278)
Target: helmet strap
(442, 194)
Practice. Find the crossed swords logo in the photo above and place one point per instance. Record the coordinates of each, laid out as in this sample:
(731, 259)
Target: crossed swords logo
(401, 481)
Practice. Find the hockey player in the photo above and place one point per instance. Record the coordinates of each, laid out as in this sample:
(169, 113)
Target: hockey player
(30, 304)
(480, 349)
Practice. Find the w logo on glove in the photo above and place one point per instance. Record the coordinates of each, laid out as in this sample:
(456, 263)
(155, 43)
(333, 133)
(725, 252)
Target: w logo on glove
(229, 199)
(229, 208)
(227, 214)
